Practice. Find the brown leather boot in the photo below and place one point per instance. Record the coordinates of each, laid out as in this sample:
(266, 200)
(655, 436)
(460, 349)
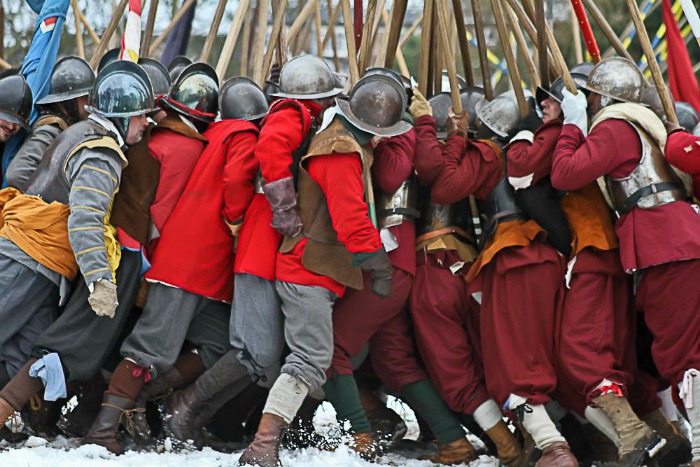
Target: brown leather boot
(459, 451)
(636, 438)
(6, 411)
(104, 429)
(677, 448)
(557, 455)
(264, 450)
(160, 387)
(387, 425)
(363, 444)
(509, 452)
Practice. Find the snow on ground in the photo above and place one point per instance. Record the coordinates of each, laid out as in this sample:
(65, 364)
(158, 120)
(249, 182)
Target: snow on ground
(61, 452)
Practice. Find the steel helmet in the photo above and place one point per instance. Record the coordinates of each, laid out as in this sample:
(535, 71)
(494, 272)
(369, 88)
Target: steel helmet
(178, 64)
(446, 82)
(15, 100)
(71, 77)
(617, 78)
(195, 92)
(688, 117)
(584, 68)
(556, 90)
(440, 103)
(112, 55)
(122, 89)
(158, 74)
(502, 114)
(471, 96)
(307, 77)
(240, 98)
(376, 105)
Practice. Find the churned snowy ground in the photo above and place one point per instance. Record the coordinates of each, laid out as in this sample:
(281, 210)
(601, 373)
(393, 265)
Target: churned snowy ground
(61, 452)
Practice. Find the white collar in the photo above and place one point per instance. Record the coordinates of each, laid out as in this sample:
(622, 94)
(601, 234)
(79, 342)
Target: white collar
(108, 126)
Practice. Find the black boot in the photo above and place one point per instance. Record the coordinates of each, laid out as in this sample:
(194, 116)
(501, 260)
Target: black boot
(104, 430)
(77, 423)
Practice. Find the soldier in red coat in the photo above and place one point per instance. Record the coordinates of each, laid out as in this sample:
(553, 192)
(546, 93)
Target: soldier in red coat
(596, 344)
(443, 314)
(261, 208)
(337, 243)
(656, 226)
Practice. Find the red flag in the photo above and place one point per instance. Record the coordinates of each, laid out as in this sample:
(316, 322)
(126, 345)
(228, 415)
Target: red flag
(681, 79)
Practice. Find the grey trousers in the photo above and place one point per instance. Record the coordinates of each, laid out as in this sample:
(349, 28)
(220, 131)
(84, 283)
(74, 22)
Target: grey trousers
(171, 317)
(28, 305)
(84, 340)
(257, 326)
(308, 331)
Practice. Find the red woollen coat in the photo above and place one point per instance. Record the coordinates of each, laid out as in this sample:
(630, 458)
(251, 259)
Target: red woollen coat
(195, 252)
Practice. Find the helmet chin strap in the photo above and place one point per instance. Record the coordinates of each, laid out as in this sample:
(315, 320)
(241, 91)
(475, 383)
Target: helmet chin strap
(122, 124)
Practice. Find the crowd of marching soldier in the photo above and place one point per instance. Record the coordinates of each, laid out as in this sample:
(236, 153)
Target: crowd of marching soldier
(230, 257)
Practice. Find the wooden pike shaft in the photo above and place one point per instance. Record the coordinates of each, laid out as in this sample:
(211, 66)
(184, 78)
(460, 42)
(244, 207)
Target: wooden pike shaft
(448, 54)
(278, 11)
(317, 26)
(463, 42)
(541, 25)
(109, 32)
(400, 60)
(365, 45)
(78, 30)
(249, 19)
(232, 38)
(669, 108)
(181, 12)
(513, 71)
(91, 32)
(334, 11)
(260, 35)
(606, 28)
(526, 24)
(211, 37)
(424, 63)
(522, 45)
(411, 30)
(298, 23)
(578, 51)
(483, 51)
(349, 35)
(398, 14)
(150, 24)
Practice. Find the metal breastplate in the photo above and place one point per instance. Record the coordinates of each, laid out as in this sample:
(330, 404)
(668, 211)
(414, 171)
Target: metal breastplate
(401, 205)
(499, 206)
(49, 180)
(452, 218)
(652, 183)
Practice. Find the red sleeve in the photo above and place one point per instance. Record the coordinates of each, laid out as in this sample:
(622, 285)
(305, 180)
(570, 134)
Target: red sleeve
(340, 178)
(280, 136)
(525, 158)
(239, 174)
(683, 152)
(468, 170)
(393, 161)
(611, 148)
(428, 160)
(177, 155)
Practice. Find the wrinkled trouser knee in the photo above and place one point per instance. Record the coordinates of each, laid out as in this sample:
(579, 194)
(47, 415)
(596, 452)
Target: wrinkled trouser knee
(257, 326)
(308, 331)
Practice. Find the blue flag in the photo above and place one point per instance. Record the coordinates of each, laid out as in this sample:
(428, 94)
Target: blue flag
(39, 62)
(179, 37)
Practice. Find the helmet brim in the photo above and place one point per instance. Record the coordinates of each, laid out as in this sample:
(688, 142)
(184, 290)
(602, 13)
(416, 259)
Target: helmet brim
(397, 129)
(93, 110)
(54, 98)
(12, 118)
(542, 94)
(185, 113)
(480, 113)
(319, 95)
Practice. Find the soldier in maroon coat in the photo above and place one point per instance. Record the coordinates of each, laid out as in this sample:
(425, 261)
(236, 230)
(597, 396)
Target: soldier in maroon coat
(657, 227)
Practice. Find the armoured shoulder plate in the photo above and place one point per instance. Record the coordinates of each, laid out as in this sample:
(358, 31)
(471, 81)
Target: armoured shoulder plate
(49, 180)
(652, 183)
(499, 206)
(439, 219)
(401, 205)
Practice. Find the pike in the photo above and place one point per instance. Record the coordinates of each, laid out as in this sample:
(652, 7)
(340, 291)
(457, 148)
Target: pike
(483, 51)
(585, 26)
(150, 24)
(109, 32)
(691, 13)
(514, 73)
(209, 43)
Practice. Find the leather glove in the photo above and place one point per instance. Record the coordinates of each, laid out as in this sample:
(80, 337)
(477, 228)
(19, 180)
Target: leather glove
(103, 298)
(378, 263)
(282, 197)
(672, 127)
(574, 109)
(419, 105)
(457, 124)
